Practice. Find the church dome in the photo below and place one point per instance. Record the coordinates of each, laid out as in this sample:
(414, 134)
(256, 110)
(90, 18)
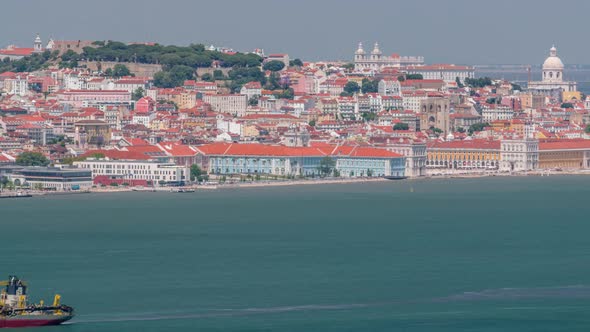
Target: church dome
(553, 62)
(376, 49)
(360, 49)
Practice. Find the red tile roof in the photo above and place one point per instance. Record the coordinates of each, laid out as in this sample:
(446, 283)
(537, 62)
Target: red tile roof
(177, 150)
(284, 151)
(120, 155)
(18, 51)
(565, 144)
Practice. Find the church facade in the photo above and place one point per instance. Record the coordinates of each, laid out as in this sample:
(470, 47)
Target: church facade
(552, 83)
(377, 61)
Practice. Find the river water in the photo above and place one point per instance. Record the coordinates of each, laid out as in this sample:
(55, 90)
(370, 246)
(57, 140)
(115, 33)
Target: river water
(492, 254)
(519, 74)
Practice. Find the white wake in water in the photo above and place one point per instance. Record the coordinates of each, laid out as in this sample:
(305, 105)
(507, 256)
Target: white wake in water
(560, 292)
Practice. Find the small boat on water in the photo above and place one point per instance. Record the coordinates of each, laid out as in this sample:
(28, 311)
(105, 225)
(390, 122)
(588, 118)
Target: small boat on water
(395, 177)
(19, 194)
(182, 190)
(15, 311)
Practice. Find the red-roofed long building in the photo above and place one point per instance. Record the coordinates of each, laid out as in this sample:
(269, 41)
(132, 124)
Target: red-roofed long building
(564, 154)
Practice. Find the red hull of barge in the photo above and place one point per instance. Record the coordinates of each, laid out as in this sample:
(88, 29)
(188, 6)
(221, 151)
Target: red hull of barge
(31, 322)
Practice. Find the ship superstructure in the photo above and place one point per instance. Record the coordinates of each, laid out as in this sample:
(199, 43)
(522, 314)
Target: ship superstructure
(16, 311)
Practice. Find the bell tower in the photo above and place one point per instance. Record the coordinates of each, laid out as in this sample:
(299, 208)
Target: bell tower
(38, 44)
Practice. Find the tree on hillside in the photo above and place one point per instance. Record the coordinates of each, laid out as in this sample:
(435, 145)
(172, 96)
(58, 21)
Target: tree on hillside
(273, 82)
(197, 47)
(368, 116)
(138, 94)
(477, 127)
(459, 83)
(414, 77)
(207, 77)
(401, 126)
(436, 131)
(567, 105)
(121, 70)
(369, 86)
(32, 159)
(274, 65)
(174, 77)
(351, 88)
(218, 74)
(288, 93)
(69, 59)
(348, 66)
(587, 130)
(494, 100)
(296, 63)
(253, 101)
(478, 82)
(163, 79)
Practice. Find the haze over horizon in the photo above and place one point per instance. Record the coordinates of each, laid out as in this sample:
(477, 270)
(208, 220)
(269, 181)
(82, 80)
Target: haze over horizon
(460, 32)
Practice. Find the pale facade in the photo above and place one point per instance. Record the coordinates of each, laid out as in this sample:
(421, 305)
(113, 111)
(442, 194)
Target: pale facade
(136, 169)
(434, 112)
(552, 78)
(447, 73)
(518, 155)
(415, 153)
(496, 112)
(389, 88)
(376, 60)
(227, 103)
(85, 98)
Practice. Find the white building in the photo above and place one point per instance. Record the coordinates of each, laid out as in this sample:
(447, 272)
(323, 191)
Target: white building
(19, 85)
(73, 81)
(230, 125)
(234, 104)
(496, 112)
(415, 153)
(251, 90)
(518, 155)
(552, 77)
(413, 99)
(149, 170)
(53, 178)
(143, 118)
(130, 84)
(376, 60)
(390, 88)
(447, 73)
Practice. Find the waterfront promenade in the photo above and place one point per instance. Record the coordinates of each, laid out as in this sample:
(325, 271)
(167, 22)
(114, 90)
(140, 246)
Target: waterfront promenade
(298, 182)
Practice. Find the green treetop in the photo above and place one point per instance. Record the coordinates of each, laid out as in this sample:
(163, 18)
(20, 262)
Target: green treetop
(274, 65)
(32, 159)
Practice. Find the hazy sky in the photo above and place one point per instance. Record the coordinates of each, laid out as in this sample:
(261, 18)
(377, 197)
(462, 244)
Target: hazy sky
(449, 31)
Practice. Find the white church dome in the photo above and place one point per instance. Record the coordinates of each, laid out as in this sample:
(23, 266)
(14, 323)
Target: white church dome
(553, 62)
(360, 49)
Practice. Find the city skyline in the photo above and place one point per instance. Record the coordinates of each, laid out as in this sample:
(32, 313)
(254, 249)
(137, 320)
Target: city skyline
(476, 33)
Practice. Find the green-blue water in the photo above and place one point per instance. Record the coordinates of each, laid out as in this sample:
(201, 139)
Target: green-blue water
(494, 254)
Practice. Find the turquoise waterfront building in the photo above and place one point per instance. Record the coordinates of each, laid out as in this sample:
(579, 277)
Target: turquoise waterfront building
(349, 161)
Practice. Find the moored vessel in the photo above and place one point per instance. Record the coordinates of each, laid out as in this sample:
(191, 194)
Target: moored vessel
(15, 311)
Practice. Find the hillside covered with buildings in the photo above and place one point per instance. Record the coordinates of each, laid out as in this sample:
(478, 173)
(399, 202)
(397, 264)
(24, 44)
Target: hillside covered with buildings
(77, 114)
